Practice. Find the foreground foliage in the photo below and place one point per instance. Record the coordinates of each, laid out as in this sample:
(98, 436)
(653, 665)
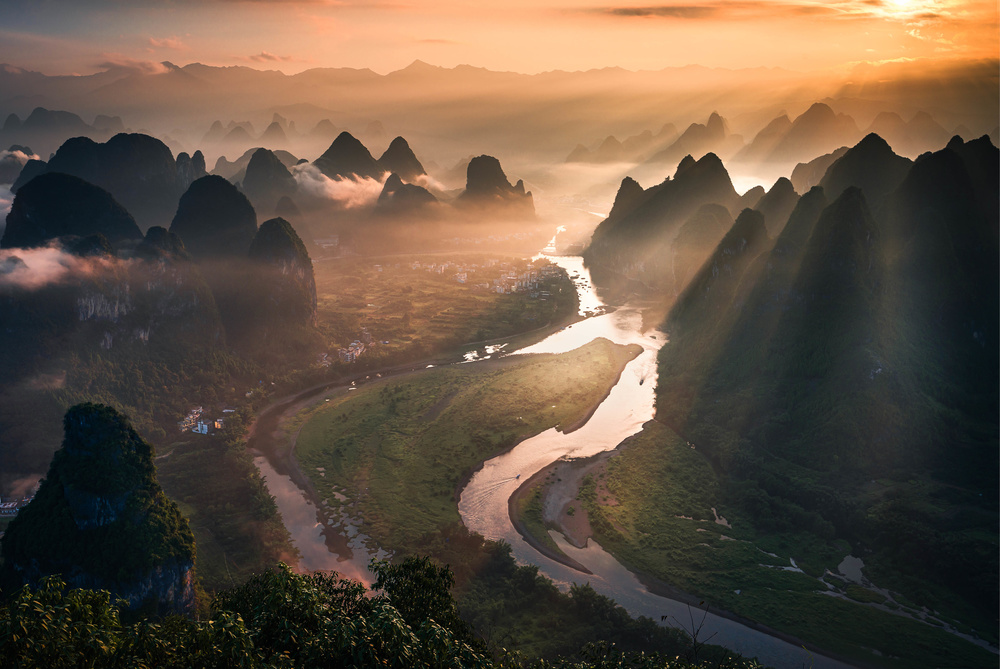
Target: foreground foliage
(278, 619)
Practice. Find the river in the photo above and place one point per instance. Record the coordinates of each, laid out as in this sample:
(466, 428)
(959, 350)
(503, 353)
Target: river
(483, 502)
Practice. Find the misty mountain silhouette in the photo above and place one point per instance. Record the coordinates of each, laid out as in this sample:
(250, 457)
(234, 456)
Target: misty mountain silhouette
(138, 170)
(750, 199)
(214, 219)
(273, 136)
(267, 180)
(287, 208)
(237, 137)
(635, 241)
(324, 129)
(46, 129)
(161, 244)
(400, 198)
(400, 160)
(696, 240)
(289, 291)
(871, 166)
(817, 131)
(54, 205)
(109, 124)
(487, 186)
(698, 140)
(215, 133)
(633, 148)
(806, 175)
(348, 157)
(777, 204)
(921, 133)
(235, 171)
(766, 141)
(190, 168)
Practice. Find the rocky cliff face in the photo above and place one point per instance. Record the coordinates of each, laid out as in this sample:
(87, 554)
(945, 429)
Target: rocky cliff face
(101, 520)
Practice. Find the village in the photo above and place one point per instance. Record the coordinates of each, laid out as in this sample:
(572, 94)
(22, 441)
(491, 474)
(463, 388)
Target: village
(196, 422)
(10, 508)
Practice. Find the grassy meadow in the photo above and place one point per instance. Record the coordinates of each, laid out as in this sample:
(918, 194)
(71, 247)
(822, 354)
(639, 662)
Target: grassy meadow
(397, 449)
(652, 508)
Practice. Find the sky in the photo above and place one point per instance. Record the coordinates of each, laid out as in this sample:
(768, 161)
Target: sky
(529, 36)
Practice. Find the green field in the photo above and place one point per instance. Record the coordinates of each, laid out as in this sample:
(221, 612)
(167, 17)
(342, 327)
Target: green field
(399, 448)
(661, 524)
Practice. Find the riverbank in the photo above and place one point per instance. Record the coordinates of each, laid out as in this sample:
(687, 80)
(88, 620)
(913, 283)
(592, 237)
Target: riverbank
(267, 434)
(546, 390)
(559, 485)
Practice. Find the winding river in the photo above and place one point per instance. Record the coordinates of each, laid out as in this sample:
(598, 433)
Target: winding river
(483, 502)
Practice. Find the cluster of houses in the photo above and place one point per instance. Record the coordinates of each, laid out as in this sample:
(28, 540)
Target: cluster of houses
(521, 280)
(356, 348)
(10, 508)
(197, 423)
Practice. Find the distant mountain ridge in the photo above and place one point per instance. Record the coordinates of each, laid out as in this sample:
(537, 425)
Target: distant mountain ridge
(174, 97)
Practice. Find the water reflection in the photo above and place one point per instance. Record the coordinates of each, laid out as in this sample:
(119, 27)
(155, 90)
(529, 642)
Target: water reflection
(309, 530)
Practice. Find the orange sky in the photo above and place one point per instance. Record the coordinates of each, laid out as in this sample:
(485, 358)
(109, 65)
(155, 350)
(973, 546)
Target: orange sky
(67, 36)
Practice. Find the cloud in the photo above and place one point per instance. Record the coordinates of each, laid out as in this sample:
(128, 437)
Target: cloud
(750, 9)
(11, 163)
(429, 182)
(676, 11)
(117, 61)
(267, 57)
(350, 193)
(30, 269)
(21, 487)
(47, 381)
(168, 43)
